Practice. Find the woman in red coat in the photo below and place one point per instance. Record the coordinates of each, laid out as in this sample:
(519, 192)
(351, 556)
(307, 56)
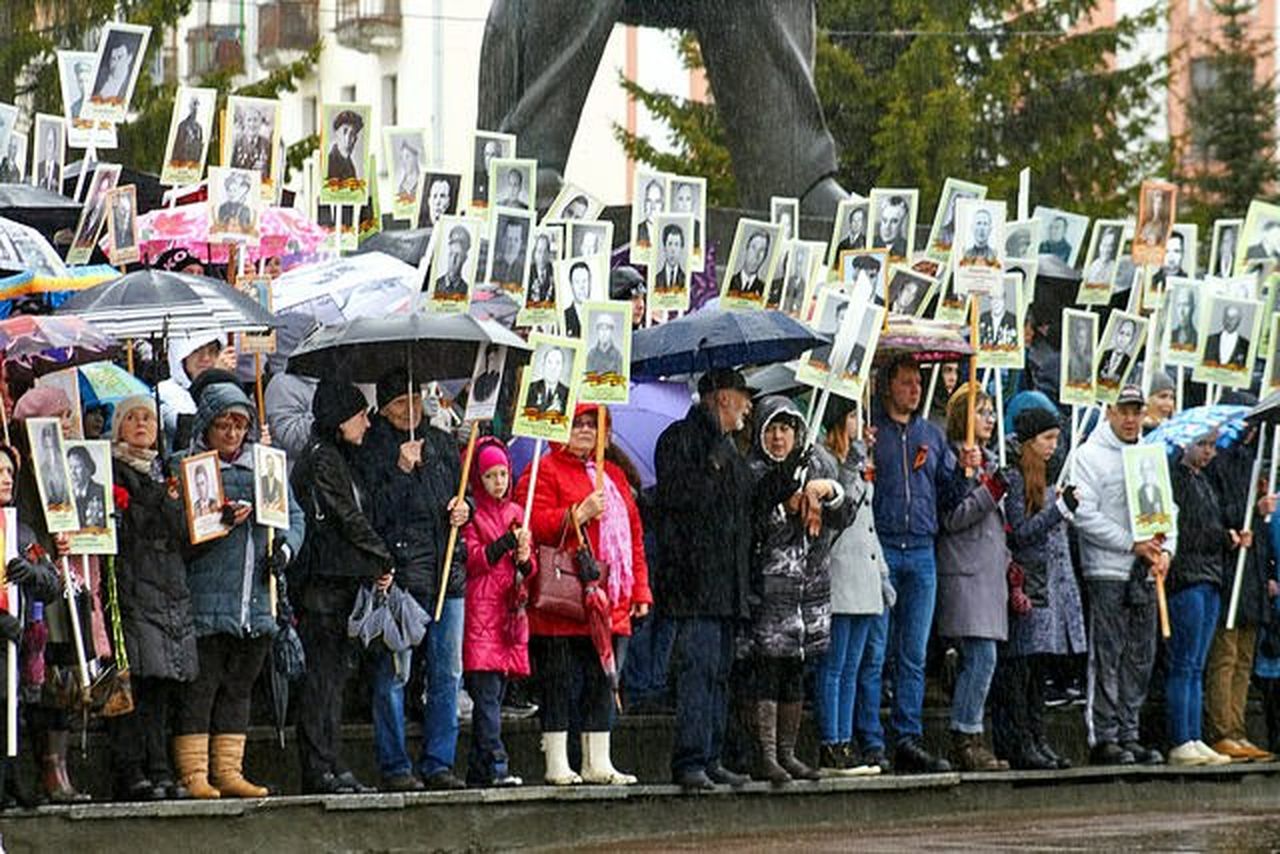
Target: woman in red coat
(562, 649)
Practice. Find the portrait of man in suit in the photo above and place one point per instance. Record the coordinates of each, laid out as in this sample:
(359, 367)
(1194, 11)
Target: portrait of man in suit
(998, 321)
(509, 265)
(452, 282)
(440, 199)
(891, 225)
(1150, 499)
(549, 393)
(1080, 353)
(1184, 336)
(854, 235)
(579, 293)
(653, 205)
(1228, 347)
(271, 486)
(188, 142)
(1114, 362)
(48, 170)
(672, 274)
(542, 283)
(749, 280)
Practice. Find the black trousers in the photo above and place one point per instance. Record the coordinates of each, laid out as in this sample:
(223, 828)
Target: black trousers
(780, 679)
(139, 741)
(488, 758)
(562, 663)
(330, 660)
(217, 702)
(1017, 707)
(539, 57)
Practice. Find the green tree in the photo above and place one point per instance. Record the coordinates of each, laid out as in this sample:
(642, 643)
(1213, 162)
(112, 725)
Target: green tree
(1228, 154)
(915, 91)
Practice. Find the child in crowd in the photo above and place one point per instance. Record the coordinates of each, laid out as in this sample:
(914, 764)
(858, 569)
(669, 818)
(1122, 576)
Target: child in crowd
(496, 638)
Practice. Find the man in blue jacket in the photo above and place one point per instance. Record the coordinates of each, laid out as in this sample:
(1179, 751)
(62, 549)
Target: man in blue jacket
(913, 466)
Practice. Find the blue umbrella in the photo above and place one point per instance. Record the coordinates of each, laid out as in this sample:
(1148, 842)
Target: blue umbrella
(720, 338)
(1193, 424)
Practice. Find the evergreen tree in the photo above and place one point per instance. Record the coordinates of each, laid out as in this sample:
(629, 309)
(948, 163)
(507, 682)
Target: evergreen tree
(1228, 155)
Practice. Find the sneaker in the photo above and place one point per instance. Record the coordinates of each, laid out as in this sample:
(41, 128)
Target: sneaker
(443, 781)
(831, 760)
(911, 757)
(1187, 755)
(518, 710)
(1212, 757)
(1143, 755)
(1110, 753)
(877, 757)
(855, 765)
(401, 783)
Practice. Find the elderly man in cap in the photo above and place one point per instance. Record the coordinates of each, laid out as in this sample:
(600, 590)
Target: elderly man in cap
(412, 470)
(604, 357)
(1119, 574)
(452, 282)
(704, 508)
(347, 126)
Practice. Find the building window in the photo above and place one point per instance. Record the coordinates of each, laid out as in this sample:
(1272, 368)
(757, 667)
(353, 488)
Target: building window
(347, 94)
(390, 115)
(309, 110)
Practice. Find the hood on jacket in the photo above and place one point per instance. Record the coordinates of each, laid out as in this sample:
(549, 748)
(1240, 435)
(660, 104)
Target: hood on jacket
(1105, 437)
(217, 399)
(771, 408)
(180, 347)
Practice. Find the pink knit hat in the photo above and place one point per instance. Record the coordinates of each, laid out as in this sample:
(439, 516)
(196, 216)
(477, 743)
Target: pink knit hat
(42, 401)
(490, 455)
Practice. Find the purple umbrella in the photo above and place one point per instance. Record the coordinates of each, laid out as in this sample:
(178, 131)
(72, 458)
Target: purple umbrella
(636, 426)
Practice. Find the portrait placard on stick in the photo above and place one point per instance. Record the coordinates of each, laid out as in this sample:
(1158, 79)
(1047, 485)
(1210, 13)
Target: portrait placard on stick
(48, 458)
(669, 273)
(67, 381)
(855, 329)
(548, 390)
(270, 489)
(1148, 490)
(454, 256)
(1222, 248)
(510, 248)
(1121, 341)
(344, 147)
(50, 153)
(257, 288)
(573, 203)
(252, 140)
(607, 365)
(405, 150)
(1157, 208)
(486, 382)
(122, 225)
(486, 147)
(121, 49)
(234, 202)
(578, 282)
(649, 201)
(1063, 233)
(804, 265)
(75, 79)
(689, 196)
(849, 229)
(539, 306)
(93, 214)
(977, 259)
(1079, 345)
(513, 183)
(1101, 262)
(909, 291)
(439, 197)
(893, 221)
(943, 232)
(203, 497)
(190, 128)
(89, 466)
(1230, 344)
(756, 247)
(1000, 319)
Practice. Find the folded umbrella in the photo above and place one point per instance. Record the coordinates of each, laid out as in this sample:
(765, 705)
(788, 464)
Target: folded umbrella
(600, 625)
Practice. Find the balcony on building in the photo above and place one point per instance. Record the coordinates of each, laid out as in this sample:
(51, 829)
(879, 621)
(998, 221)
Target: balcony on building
(286, 29)
(368, 25)
(214, 49)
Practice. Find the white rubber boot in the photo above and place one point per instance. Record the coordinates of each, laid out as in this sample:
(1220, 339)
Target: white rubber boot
(597, 767)
(555, 750)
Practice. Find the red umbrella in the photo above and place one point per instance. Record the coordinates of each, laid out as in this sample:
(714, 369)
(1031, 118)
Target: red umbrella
(600, 624)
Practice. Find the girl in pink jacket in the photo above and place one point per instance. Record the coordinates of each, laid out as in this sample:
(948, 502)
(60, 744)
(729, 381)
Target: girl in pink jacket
(496, 640)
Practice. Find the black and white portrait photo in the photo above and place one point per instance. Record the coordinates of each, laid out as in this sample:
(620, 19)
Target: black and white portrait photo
(190, 128)
(270, 487)
(13, 159)
(579, 281)
(75, 81)
(751, 262)
(689, 196)
(786, 213)
(604, 351)
(48, 456)
(1021, 238)
(1119, 347)
(588, 238)
(512, 183)
(122, 224)
(453, 263)
(347, 142)
(439, 197)
(573, 203)
(234, 201)
(943, 233)
(541, 293)
(998, 326)
(50, 152)
(1264, 239)
(803, 262)
(406, 158)
(486, 381)
(120, 55)
(1229, 338)
(550, 391)
(253, 125)
(1079, 342)
(509, 249)
(893, 221)
(849, 230)
(487, 147)
(1222, 249)
(94, 213)
(88, 492)
(669, 272)
(1182, 327)
(1062, 233)
(203, 497)
(1104, 253)
(908, 291)
(864, 273)
(650, 200)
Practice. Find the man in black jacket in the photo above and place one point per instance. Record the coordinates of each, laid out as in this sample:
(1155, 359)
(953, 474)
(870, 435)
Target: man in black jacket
(413, 492)
(703, 508)
(341, 551)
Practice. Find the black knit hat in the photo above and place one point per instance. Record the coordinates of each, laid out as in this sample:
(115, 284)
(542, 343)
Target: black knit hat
(838, 409)
(1033, 421)
(394, 383)
(334, 403)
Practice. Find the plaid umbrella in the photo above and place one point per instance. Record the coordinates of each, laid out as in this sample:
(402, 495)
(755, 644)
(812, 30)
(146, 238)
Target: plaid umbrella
(1190, 425)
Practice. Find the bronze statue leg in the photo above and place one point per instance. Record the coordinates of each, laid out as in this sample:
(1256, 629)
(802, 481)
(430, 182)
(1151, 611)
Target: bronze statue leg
(759, 57)
(537, 62)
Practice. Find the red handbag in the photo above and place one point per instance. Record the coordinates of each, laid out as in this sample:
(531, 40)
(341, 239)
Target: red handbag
(556, 589)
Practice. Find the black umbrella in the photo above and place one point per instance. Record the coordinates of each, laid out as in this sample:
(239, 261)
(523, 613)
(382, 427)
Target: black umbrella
(157, 302)
(720, 338)
(1267, 411)
(408, 245)
(44, 211)
(430, 346)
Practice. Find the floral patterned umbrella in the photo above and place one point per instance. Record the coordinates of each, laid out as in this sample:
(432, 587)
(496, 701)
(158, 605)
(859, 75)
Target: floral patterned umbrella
(286, 232)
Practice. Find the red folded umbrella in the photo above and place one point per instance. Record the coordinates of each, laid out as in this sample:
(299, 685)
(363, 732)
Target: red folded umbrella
(600, 624)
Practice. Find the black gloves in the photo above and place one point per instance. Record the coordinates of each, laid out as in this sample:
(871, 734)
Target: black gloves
(499, 547)
(229, 515)
(588, 569)
(10, 627)
(278, 560)
(1069, 498)
(19, 571)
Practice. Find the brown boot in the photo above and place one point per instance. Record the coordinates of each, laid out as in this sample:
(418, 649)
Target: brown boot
(788, 733)
(191, 756)
(57, 783)
(228, 762)
(968, 753)
(767, 767)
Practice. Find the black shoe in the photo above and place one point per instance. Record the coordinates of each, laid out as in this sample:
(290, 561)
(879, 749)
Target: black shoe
(444, 781)
(348, 781)
(912, 758)
(1110, 753)
(1143, 755)
(401, 783)
(327, 784)
(1030, 758)
(1053, 696)
(719, 774)
(1052, 755)
(518, 710)
(832, 759)
(877, 756)
(138, 790)
(694, 781)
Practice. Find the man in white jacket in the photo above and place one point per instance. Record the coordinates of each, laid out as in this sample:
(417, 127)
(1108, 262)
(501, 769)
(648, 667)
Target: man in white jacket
(1119, 574)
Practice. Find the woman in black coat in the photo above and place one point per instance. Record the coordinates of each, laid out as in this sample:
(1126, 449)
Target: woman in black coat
(155, 605)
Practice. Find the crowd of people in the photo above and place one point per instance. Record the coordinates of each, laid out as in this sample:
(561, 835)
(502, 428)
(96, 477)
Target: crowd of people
(776, 566)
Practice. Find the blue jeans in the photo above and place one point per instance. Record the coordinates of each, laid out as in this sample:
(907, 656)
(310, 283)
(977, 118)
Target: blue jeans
(487, 761)
(644, 674)
(838, 676)
(1193, 615)
(866, 703)
(969, 698)
(700, 659)
(441, 653)
(914, 575)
